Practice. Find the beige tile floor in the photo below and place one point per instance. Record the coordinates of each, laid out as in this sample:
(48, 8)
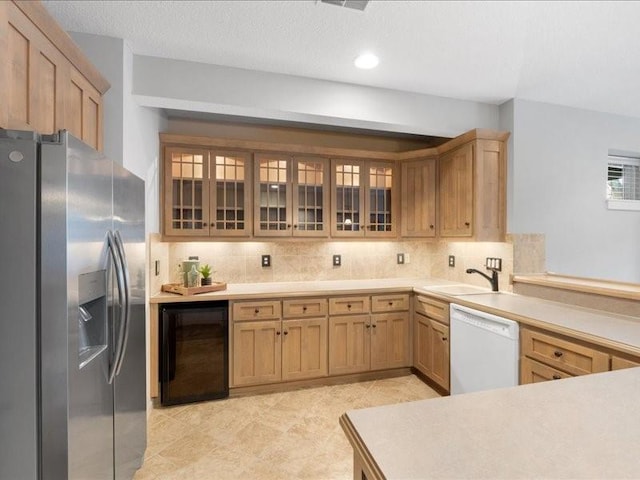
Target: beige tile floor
(289, 435)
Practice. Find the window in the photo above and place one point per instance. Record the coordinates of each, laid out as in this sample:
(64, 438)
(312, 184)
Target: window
(623, 182)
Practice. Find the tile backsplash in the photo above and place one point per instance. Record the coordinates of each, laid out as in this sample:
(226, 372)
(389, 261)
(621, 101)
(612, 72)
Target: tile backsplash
(240, 262)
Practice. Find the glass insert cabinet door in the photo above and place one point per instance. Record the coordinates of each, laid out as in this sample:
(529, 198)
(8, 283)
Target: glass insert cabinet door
(310, 197)
(272, 197)
(231, 205)
(206, 193)
(186, 192)
(381, 200)
(364, 199)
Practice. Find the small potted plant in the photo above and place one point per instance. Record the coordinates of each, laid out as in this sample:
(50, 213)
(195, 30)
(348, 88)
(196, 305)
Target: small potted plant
(205, 270)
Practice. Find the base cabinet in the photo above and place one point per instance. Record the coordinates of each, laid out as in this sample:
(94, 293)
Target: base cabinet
(548, 356)
(349, 344)
(304, 348)
(274, 341)
(431, 339)
(431, 349)
(389, 340)
(257, 354)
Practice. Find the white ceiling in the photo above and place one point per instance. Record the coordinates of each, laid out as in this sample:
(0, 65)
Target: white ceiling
(580, 54)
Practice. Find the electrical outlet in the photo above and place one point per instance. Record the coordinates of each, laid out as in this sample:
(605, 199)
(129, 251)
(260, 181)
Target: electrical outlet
(493, 263)
(266, 260)
(452, 261)
(400, 258)
(337, 260)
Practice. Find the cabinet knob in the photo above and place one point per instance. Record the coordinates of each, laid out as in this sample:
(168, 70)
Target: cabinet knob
(374, 325)
(304, 308)
(466, 224)
(368, 326)
(286, 332)
(295, 225)
(349, 306)
(391, 304)
(277, 332)
(256, 311)
(558, 353)
(212, 224)
(431, 227)
(288, 225)
(444, 339)
(556, 377)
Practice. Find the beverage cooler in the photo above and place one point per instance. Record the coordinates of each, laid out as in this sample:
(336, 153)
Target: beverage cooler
(194, 345)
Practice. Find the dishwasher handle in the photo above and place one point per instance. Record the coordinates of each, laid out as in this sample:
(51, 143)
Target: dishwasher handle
(485, 321)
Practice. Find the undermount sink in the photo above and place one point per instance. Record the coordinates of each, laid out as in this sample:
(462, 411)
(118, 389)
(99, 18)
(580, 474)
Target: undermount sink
(461, 289)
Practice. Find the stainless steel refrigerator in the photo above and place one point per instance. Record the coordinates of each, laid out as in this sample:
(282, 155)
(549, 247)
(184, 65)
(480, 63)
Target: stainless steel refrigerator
(72, 297)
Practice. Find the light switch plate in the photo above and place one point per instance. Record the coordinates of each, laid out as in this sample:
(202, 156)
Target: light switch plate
(337, 260)
(400, 258)
(266, 260)
(493, 263)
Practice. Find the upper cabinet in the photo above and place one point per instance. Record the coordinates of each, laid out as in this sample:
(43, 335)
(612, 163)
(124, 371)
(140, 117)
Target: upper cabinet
(206, 193)
(364, 198)
(220, 187)
(472, 191)
(418, 197)
(48, 84)
(291, 196)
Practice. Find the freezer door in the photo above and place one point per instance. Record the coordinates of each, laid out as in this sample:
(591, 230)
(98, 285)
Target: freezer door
(130, 419)
(18, 333)
(77, 400)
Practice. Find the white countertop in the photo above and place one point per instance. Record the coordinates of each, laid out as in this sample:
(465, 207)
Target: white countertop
(596, 326)
(582, 427)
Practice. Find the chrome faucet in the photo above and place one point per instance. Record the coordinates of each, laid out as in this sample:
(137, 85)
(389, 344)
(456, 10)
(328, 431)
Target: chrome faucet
(493, 279)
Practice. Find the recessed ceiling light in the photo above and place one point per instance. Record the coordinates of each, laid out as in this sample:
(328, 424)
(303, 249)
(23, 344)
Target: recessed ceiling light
(366, 61)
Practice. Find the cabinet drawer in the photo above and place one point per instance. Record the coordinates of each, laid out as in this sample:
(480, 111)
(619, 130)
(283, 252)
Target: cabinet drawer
(432, 308)
(567, 356)
(390, 303)
(256, 310)
(535, 372)
(305, 307)
(346, 305)
(618, 363)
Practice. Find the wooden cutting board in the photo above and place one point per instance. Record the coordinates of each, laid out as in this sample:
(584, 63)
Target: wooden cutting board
(181, 290)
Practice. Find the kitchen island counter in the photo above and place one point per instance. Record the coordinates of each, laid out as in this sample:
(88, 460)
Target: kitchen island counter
(582, 427)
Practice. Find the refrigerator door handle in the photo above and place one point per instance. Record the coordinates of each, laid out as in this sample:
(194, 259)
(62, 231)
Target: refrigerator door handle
(127, 296)
(120, 281)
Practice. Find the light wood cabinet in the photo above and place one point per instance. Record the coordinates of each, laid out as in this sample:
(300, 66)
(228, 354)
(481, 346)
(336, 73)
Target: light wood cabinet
(564, 355)
(47, 83)
(390, 340)
(257, 355)
(431, 340)
(304, 348)
(348, 305)
(535, 372)
(360, 341)
(206, 193)
(364, 199)
(393, 302)
(349, 344)
(619, 363)
(291, 196)
(418, 198)
(256, 310)
(268, 349)
(471, 191)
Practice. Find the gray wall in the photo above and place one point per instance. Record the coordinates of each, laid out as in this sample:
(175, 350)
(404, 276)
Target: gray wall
(558, 177)
(182, 85)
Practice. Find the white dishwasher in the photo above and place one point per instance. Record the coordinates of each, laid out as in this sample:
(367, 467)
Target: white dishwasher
(484, 350)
